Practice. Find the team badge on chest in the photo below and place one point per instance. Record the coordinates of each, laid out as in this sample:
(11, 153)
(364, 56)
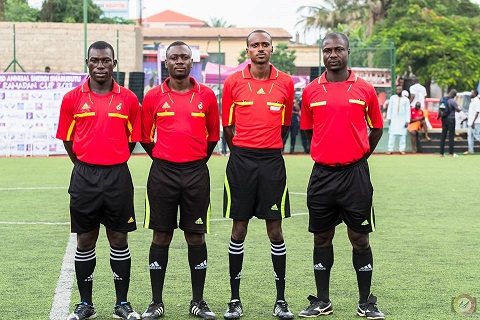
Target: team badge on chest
(200, 106)
(119, 107)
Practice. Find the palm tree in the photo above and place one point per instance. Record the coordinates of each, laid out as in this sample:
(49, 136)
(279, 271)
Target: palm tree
(346, 12)
(218, 23)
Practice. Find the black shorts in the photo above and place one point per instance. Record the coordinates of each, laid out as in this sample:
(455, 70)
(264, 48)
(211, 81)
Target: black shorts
(337, 194)
(101, 194)
(256, 185)
(173, 184)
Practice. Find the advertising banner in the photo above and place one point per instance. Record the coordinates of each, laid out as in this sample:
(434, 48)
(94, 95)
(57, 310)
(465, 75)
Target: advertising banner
(29, 110)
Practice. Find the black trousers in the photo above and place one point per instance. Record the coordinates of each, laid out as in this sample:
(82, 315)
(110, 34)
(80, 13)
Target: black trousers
(448, 125)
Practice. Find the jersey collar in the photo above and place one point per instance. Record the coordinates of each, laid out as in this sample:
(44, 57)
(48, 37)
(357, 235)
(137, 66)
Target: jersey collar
(352, 78)
(165, 88)
(86, 87)
(247, 75)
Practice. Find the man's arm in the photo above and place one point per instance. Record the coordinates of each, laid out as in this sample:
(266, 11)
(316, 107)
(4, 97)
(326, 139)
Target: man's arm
(309, 134)
(229, 133)
(373, 138)
(131, 146)
(148, 148)
(210, 147)
(284, 131)
(69, 147)
(474, 119)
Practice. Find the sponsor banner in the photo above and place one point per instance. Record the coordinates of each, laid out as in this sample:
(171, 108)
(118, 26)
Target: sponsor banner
(29, 111)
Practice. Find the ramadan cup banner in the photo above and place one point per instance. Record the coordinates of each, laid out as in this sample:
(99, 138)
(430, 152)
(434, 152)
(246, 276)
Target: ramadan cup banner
(29, 110)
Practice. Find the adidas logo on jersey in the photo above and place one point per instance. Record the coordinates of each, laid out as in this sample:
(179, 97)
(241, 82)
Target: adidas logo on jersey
(239, 276)
(85, 107)
(368, 267)
(274, 207)
(199, 221)
(130, 220)
(365, 223)
(155, 266)
(261, 91)
(201, 266)
(117, 277)
(166, 106)
(319, 267)
(89, 278)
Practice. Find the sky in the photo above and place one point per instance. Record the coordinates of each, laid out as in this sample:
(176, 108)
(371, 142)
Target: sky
(243, 14)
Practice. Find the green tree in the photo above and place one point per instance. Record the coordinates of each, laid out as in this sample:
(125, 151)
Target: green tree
(218, 23)
(70, 11)
(352, 13)
(19, 10)
(282, 58)
(444, 49)
(3, 3)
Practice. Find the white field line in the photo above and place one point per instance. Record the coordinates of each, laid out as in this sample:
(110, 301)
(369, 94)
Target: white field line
(63, 291)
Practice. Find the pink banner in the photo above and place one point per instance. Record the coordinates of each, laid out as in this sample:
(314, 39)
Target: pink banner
(40, 81)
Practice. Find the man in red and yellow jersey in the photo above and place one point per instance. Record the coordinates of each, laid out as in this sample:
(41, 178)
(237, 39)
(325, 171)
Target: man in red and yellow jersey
(100, 124)
(342, 114)
(184, 116)
(256, 111)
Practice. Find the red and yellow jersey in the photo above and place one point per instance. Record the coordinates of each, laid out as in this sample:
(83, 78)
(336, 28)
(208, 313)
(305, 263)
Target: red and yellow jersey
(257, 108)
(183, 122)
(339, 114)
(100, 126)
(416, 114)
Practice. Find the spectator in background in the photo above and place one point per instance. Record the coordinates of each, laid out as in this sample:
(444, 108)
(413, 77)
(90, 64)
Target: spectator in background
(398, 116)
(473, 121)
(417, 94)
(448, 124)
(294, 126)
(149, 86)
(417, 122)
(47, 69)
(303, 135)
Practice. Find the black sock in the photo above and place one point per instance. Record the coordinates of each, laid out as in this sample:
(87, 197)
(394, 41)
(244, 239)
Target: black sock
(158, 260)
(363, 264)
(197, 258)
(120, 262)
(279, 259)
(85, 262)
(322, 264)
(235, 258)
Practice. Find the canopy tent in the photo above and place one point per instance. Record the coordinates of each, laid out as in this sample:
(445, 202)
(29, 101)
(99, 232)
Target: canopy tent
(212, 71)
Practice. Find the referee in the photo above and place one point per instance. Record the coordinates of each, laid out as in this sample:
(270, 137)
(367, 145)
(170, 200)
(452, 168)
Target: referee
(184, 116)
(337, 108)
(256, 111)
(99, 125)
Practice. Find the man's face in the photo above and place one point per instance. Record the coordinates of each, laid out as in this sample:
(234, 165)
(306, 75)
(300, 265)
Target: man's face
(399, 90)
(472, 94)
(418, 105)
(335, 53)
(259, 48)
(100, 64)
(179, 62)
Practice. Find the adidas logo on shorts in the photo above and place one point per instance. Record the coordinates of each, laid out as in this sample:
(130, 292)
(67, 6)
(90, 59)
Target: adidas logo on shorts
(199, 221)
(274, 207)
(365, 223)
